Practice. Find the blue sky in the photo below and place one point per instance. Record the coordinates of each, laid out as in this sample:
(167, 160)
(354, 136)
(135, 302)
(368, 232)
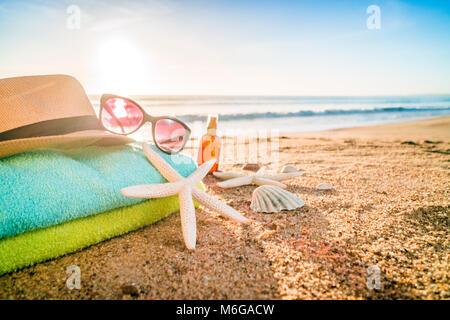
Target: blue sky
(232, 47)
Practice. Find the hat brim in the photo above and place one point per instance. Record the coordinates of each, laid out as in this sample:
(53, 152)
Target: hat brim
(77, 139)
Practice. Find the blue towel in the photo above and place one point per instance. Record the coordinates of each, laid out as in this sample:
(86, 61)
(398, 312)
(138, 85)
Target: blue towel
(42, 188)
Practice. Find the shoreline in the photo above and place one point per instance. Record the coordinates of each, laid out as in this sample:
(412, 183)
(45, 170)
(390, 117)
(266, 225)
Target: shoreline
(438, 127)
(389, 123)
(420, 123)
(256, 126)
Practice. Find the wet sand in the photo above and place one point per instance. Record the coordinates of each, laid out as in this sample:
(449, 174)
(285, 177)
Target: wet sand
(389, 208)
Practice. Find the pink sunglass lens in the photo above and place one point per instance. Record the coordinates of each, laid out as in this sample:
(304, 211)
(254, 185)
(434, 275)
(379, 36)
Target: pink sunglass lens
(121, 116)
(170, 135)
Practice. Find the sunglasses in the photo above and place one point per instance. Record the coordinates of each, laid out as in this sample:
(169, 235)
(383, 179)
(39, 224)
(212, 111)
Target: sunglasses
(123, 116)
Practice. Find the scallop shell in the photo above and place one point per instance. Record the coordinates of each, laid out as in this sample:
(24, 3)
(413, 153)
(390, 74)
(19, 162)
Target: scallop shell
(323, 186)
(287, 169)
(270, 199)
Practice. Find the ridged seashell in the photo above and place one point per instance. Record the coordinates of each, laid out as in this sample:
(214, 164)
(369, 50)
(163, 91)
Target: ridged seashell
(270, 199)
(287, 169)
(323, 186)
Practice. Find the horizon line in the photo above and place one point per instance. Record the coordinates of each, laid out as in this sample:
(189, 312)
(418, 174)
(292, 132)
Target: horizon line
(274, 95)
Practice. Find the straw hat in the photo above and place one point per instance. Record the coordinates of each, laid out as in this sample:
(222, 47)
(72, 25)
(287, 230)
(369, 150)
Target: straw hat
(48, 112)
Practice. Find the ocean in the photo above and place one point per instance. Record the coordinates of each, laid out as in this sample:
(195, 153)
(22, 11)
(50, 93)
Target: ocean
(250, 114)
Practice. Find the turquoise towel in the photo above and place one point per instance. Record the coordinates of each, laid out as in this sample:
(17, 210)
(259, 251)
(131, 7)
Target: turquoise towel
(46, 187)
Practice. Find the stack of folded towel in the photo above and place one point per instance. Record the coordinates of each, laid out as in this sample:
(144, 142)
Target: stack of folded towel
(53, 202)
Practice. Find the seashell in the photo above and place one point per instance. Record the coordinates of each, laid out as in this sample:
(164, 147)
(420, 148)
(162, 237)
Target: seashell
(323, 186)
(226, 175)
(268, 199)
(251, 167)
(287, 169)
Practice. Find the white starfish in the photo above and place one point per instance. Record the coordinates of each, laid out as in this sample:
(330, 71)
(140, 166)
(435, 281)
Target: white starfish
(186, 189)
(235, 179)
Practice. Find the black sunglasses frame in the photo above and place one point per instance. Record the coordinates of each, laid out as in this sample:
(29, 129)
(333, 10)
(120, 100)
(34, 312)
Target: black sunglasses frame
(146, 118)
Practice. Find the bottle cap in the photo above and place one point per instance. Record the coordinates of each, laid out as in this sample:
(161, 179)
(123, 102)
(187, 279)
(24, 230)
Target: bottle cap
(212, 124)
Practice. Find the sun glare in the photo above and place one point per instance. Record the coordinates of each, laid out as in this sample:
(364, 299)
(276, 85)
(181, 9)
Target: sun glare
(120, 111)
(120, 67)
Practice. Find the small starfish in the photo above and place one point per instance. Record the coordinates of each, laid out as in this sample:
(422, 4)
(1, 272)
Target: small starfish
(235, 179)
(186, 189)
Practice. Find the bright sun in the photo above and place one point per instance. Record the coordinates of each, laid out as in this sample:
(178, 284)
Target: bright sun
(120, 68)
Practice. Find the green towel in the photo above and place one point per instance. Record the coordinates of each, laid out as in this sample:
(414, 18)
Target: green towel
(43, 244)
(42, 188)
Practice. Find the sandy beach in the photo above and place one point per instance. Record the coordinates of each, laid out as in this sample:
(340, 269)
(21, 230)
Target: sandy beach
(389, 208)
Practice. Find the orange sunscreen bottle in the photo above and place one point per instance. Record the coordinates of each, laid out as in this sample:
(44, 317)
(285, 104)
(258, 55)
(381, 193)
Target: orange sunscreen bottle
(210, 144)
